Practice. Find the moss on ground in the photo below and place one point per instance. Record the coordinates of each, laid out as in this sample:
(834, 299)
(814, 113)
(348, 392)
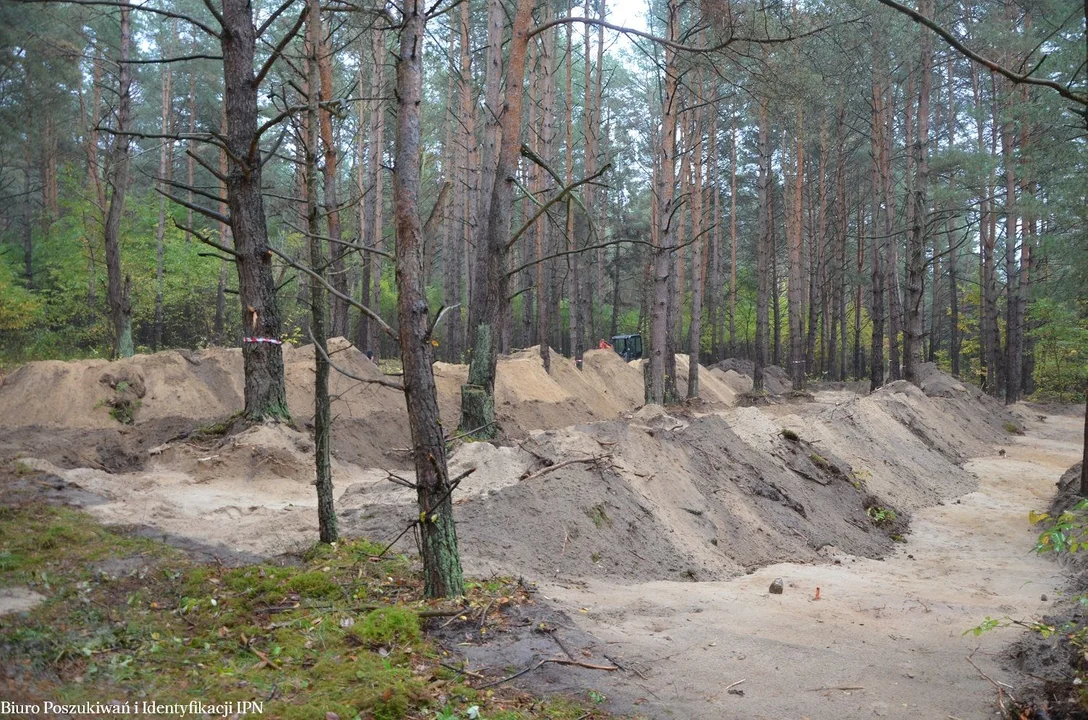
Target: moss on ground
(131, 619)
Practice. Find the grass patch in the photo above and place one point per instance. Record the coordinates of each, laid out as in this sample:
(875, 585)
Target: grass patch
(132, 619)
(599, 517)
(1013, 429)
(789, 435)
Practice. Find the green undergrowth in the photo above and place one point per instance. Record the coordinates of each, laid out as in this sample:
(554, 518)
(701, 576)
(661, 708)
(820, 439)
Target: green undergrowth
(130, 620)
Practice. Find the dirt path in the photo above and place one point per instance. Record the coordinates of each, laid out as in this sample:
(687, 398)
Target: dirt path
(886, 637)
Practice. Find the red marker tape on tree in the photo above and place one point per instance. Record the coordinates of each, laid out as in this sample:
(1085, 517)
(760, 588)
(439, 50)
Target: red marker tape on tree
(270, 341)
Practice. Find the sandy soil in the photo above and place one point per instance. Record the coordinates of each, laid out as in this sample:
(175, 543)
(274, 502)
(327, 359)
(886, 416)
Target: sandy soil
(886, 637)
(640, 502)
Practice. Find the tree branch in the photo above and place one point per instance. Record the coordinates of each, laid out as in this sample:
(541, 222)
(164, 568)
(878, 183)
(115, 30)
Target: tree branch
(287, 37)
(206, 240)
(206, 165)
(218, 217)
(146, 8)
(345, 243)
(336, 293)
(428, 227)
(353, 376)
(164, 61)
(557, 199)
(970, 54)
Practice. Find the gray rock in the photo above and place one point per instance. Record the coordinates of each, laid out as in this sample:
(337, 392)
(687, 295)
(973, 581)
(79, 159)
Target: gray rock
(777, 586)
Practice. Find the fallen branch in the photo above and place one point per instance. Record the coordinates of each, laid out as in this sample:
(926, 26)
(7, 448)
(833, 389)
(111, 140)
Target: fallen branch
(1001, 687)
(557, 661)
(592, 460)
(838, 687)
(462, 671)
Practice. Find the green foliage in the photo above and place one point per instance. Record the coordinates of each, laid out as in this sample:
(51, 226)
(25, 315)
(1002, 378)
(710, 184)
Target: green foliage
(1061, 348)
(789, 435)
(881, 515)
(1066, 533)
(389, 626)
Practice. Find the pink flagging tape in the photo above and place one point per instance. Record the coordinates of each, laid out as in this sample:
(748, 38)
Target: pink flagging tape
(270, 341)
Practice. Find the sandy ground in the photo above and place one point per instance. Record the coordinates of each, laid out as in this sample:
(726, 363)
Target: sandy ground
(886, 637)
(711, 492)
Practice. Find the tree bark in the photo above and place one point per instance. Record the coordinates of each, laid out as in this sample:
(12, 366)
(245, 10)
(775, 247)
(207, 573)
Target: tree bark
(763, 249)
(265, 396)
(697, 280)
(118, 285)
(442, 576)
(795, 278)
(373, 203)
(495, 282)
(660, 377)
(912, 332)
(338, 325)
(326, 512)
(876, 306)
(543, 230)
(166, 162)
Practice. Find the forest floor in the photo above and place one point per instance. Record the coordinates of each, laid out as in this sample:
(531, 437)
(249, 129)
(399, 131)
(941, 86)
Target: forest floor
(646, 538)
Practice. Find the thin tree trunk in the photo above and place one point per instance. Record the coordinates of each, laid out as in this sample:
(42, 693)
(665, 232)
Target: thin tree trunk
(373, 205)
(574, 302)
(733, 236)
(166, 163)
(478, 395)
(225, 237)
(795, 241)
(118, 285)
(338, 325)
(912, 334)
(190, 164)
(876, 307)
(442, 576)
(891, 242)
(1012, 292)
(763, 249)
(451, 257)
(697, 280)
(315, 87)
(547, 142)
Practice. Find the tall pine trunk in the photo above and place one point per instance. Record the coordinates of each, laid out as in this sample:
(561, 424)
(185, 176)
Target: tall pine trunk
(326, 512)
(118, 284)
(262, 356)
(442, 576)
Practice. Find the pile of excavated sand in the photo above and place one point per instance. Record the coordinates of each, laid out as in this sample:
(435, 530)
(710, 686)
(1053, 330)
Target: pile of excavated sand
(253, 493)
(667, 499)
(371, 422)
(776, 381)
(712, 389)
(664, 497)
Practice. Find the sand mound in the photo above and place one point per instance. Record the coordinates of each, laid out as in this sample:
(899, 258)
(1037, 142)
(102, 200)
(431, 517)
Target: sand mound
(711, 387)
(775, 380)
(696, 502)
(371, 423)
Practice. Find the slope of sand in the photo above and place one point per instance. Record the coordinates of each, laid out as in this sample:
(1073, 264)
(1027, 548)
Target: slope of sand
(207, 386)
(639, 504)
(885, 640)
